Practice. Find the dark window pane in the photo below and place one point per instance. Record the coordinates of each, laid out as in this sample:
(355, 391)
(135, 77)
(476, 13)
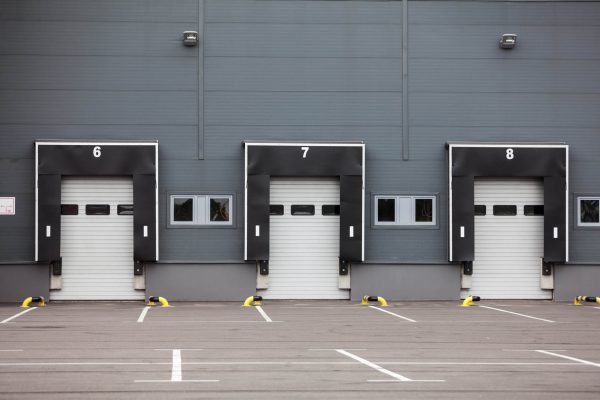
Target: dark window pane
(219, 209)
(589, 211)
(480, 210)
(183, 209)
(533, 210)
(125, 209)
(505, 210)
(276, 209)
(97, 209)
(424, 210)
(303, 209)
(386, 210)
(330, 209)
(69, 209)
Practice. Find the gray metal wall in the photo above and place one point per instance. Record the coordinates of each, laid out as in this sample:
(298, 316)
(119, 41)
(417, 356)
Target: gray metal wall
(296, 70)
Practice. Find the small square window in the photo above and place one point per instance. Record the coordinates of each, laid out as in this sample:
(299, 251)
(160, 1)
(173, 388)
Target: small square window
(479, 210)
(201, 210)
(219, 209)
(183, 209)
(125, 209)
(533, 210)
(303, 209)
(408, 211)
(423, 210)
(505, 210)
(332, 209)
(386, 210)
(69, 209)
(97, 209)
(276, 209)
(589, 211)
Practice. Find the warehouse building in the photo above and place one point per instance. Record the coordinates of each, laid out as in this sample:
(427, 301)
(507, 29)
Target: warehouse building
(296, 149)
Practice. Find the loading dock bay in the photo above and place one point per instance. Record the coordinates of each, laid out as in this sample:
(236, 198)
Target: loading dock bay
(301, 349)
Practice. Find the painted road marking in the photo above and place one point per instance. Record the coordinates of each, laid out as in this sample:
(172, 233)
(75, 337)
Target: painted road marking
(397, 377)
(380, 363)
(264, 314)
(597, 308)
(143, 314)
(242, 363)
(391, 313)
(176, 370)
(579, 360)
(521, 315)
(17, 315)
(205, 321)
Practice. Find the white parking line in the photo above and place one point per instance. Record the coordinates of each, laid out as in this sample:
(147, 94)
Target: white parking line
(17, 315)
(176, 371)
(143, 314)
(242, 363)
(391, 313)
(569, 358)
(521, 315)
(397, 377)
(264, 314)
(597, 308)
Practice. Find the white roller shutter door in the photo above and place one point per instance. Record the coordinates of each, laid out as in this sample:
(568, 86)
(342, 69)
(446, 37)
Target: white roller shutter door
(304, 249)
(509, 248)
(97, 250)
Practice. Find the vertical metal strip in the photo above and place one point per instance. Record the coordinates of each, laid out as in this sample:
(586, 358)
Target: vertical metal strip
(37, 146)
(246, 201)
(156, 227)
(567, 203)
(201, 79)
(405, 133)
(450, 207)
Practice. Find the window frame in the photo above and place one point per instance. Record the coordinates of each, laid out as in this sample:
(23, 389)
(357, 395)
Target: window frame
(201, 210)
(400, 221)
(577, 211)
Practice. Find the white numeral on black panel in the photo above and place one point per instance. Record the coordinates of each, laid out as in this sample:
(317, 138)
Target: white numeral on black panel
(97, 151)
(510, 154)
(305, 150)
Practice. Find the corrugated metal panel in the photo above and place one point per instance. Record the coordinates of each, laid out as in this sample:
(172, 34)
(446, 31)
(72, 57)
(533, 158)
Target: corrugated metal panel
(222, 142)
(16, 140)
(97, 250)
(312, 108)
(304, 250)
(99, 73)
(508, 249)
(509, 76)
(303, 74)
(303, 40)
(314, 12)
(100, 38)
(98, 107)
(492, 109)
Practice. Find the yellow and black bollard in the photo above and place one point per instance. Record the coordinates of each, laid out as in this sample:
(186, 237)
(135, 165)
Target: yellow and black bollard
(39, 300)
(469, 301)
(157, 299)
(577, 301)
(252, 301)
(366, 299)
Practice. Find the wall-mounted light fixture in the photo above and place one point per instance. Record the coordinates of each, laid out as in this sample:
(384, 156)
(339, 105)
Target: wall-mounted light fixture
(190, 38)
(508, 40)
